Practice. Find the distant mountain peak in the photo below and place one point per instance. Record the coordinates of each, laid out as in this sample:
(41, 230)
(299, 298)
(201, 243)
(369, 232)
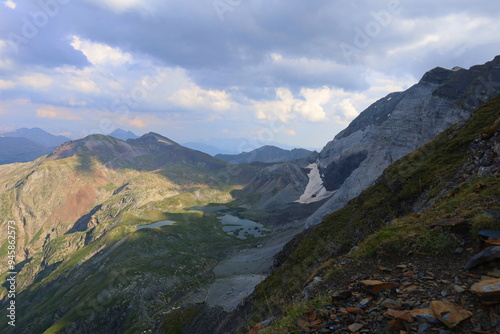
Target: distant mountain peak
(155, 137)
(437, 75)
(39, 136)
(123, 134)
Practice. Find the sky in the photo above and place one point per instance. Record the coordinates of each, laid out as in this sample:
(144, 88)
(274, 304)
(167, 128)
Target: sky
(294, 72)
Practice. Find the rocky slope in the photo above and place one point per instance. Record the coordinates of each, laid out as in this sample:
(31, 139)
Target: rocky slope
(413, 268)
(397, 125)
(265, 154)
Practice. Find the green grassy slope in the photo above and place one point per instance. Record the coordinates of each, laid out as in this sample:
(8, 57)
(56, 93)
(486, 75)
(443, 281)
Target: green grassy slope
(81, 260)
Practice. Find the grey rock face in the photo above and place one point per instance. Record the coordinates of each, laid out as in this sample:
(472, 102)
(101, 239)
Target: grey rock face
(398, 124)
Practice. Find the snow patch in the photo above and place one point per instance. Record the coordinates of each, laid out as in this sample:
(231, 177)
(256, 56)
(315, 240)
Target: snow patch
(315, 190)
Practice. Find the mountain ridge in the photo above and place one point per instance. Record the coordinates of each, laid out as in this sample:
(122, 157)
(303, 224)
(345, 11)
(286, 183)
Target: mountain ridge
(39, 136)
(265, 154)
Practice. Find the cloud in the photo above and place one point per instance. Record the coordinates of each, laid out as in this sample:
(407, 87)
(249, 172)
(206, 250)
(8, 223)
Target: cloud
(120, 6)
(100, 54)
(36, 80)
(136, 122)
(6, 84)
(311, 105)
(10, 4)
(196, 97)
(176, 63)
(56, 113)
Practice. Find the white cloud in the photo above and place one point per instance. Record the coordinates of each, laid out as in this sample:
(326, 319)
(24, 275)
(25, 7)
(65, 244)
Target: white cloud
(280, 109)
(312, 105)
(196, 97)
(424, 42)
(6, 84)
(48, 111)
(83, 85)
(10, 4)
(101, 54)
(36, 80)
(120, 6)
(448, 35)
(304, 66)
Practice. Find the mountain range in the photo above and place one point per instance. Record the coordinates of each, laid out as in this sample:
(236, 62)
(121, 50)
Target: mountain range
(265, 154)
(123, 134)
(410, 160)
(25, 145)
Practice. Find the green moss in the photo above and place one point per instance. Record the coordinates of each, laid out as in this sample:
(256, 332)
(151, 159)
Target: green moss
(484, 222)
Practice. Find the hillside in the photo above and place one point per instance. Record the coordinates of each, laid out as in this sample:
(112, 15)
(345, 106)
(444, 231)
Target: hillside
(265, 154)
(415, 228)
(79, 242)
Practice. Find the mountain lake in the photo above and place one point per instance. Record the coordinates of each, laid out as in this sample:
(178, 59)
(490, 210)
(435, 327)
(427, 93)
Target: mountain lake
(241, 228)
(157, 224)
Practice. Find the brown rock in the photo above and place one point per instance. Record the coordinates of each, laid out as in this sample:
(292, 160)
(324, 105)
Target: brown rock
(375, 287)
(403, 315)
(382, 268)
(256, 329)
(396, 325)
(425, 315)
(411, 289)
(488, 290)
(449, 314)
(354, 310)
(355, 327)
(389, 303)
(338, 295)
(409, 274)
(492, 242)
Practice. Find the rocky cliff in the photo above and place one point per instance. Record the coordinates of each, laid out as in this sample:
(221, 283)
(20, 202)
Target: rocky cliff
(397, 125)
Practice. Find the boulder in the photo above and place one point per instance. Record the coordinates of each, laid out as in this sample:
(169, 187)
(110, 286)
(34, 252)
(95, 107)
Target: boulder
(374, 286)
(487, 255)
(488, 290)
(449, 314)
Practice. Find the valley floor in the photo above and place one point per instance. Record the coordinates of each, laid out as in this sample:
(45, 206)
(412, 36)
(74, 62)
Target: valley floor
(238, 274)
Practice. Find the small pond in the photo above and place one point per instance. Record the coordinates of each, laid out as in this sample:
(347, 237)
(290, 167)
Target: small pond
(157, 224)
(241, 228)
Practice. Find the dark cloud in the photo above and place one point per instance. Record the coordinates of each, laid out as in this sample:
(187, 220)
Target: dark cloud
(248, 49)
(236, 42)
